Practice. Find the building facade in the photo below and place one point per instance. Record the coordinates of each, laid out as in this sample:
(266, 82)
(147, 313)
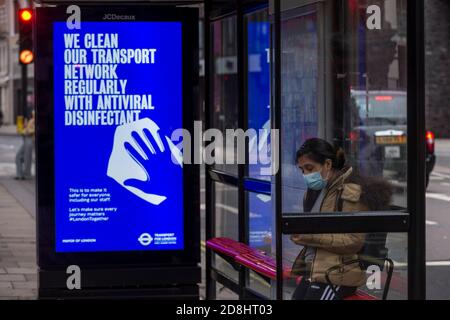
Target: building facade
(5, 79)
(10, 72)
(437, 35)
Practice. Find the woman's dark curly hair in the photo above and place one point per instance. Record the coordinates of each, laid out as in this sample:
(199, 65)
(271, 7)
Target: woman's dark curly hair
(320, 150)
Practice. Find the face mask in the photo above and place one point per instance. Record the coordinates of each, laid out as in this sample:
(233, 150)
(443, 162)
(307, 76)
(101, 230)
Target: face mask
(314, 181)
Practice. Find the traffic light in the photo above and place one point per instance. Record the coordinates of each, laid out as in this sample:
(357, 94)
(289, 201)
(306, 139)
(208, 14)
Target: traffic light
(26, 55)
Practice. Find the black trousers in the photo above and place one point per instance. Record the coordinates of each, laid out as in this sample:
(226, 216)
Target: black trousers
(320, 291)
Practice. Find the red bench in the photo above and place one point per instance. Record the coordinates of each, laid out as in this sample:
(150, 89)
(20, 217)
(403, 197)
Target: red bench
(262, 264)
(228, 247)
(258, 261)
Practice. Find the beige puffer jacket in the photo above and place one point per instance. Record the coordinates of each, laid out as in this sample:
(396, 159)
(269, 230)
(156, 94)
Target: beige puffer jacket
(334, 249)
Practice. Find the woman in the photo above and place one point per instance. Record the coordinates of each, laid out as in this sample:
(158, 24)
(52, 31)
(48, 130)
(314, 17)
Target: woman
(333, 187)
(24, 156)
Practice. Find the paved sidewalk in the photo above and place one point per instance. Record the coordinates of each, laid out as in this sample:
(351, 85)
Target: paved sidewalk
(442, 145)
(18, 271)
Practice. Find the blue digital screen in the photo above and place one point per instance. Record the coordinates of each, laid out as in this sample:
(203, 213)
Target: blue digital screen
(117, 100)
(261, 216)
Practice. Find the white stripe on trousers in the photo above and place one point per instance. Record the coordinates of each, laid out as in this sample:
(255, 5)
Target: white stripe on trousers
(325, 292)
(334, 294)
(329, 294)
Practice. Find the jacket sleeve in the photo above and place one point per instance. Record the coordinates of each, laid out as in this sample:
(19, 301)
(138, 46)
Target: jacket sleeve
(342, 244)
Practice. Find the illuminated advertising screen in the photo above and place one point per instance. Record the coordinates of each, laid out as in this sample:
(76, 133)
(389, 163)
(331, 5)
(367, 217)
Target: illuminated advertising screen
(258, 86)
(118, 175)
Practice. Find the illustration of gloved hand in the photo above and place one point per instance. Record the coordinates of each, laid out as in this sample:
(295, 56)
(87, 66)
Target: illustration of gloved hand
(259, 149)
(137, 151)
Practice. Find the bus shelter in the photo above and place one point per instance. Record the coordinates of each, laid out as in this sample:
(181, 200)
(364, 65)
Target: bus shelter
(350, 72)
(347, 71)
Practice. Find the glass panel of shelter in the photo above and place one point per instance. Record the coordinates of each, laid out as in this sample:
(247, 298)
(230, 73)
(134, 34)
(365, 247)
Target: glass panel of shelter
(259, 206)
(225, 90)
(345, 83)
(224, 116)
(345, 277)
(338, 84)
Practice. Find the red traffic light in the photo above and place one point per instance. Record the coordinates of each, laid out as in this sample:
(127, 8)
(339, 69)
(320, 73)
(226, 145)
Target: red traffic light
(25, 15)
(26, 57)
(25, 42)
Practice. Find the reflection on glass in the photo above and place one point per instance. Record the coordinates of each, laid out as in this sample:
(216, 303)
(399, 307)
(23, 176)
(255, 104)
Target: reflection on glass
(223, 293)
(346, 266)
(225, 91)
(299, 80)
(345, 83)
(226, 211)
(226, 218)
(261, 220)
(377, 144)
(260, 285)
(376, 114)
(258, 94)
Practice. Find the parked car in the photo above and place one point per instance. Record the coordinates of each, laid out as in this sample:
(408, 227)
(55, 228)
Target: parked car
(378, 139)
